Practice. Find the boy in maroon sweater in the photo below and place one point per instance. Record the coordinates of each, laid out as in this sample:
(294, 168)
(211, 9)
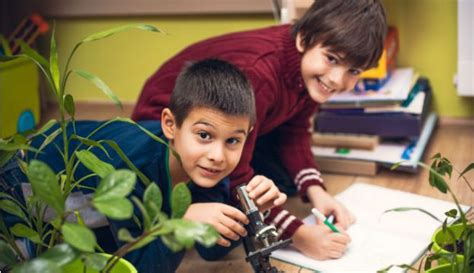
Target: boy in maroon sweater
(292, 69)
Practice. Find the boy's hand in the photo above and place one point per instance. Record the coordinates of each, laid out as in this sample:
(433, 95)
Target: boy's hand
(264, 193)
(225, 219)
(319, 242)
(328, 205)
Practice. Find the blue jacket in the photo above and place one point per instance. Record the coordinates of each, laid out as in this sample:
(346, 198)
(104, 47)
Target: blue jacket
(149, 156)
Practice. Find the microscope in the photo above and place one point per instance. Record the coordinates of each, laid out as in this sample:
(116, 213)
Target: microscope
(261, 240)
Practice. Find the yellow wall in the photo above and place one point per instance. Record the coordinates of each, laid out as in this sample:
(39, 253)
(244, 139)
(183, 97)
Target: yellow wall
(428, 42)
(126, 60)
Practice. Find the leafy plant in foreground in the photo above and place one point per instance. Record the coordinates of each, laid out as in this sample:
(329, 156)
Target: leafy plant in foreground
(59, 241)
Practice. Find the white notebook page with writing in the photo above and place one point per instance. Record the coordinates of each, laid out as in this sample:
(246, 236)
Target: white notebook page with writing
(378, 240)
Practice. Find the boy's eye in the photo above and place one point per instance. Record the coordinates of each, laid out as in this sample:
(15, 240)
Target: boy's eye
(233, 141)
(332, 59)
(204, 135)
(355, 72)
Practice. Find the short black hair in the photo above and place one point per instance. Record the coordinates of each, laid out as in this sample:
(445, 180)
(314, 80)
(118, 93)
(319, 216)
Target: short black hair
(356, 28)
(214, 84)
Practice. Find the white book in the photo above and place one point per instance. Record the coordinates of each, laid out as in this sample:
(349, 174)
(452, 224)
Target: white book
(387, 152)
(378, 240)
(396, 89)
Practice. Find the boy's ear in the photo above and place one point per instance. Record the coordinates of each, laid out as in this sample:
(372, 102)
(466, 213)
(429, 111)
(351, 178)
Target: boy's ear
(168, 123)
(299, 43)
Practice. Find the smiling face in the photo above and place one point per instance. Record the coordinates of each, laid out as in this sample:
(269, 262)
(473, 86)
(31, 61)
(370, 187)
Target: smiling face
(324, 73)
(208, 142)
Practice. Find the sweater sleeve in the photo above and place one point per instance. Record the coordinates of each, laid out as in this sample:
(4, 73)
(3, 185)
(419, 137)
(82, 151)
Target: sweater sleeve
(285, 223)
(294, 148)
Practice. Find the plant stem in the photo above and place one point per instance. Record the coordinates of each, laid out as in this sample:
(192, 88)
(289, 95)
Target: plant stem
(126, 248)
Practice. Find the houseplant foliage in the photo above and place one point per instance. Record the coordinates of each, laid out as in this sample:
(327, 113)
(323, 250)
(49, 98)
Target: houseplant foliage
(59, 241)
(456, 252)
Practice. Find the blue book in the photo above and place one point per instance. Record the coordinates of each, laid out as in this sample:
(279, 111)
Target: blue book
(384, 124)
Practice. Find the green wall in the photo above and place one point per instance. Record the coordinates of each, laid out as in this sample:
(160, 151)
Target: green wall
(427, 42)
(125, 61)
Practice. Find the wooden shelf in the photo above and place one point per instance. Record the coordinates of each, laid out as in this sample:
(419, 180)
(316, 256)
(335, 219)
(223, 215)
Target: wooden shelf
(85, 8)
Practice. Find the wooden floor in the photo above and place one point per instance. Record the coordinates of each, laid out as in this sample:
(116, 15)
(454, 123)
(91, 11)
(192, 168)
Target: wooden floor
(455, 141)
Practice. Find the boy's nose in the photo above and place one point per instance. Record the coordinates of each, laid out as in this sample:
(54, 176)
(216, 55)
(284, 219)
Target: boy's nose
(216, 153)
(336, 78)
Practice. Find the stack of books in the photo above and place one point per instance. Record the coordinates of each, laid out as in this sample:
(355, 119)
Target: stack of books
(360, 130)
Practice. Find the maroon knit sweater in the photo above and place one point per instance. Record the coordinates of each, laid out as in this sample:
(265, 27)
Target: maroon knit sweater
(271, 62)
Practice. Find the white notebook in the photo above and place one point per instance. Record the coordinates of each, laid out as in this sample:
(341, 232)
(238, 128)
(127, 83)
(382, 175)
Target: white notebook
(378, 240)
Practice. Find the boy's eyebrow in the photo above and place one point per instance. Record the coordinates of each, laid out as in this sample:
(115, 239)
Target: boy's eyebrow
(238, 131)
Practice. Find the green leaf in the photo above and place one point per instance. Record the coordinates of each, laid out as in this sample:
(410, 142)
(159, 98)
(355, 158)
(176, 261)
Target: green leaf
(116, 208)
(79, 218)
(396, 165)
(187, 232)
(206, 235)
(99, 84)
(436, 180)
(467, 169)
(50, 138)
(4, 58)
(145, 215)
(69, 105)
(7, 256)
(127, 161)
(171, 242)
(125, 236)
(33, 54)
(46, 126)
(452, 213)
(5, 46)
(21, 230)
(152, 200)
(109, 32)
(404, 266)
(14, 147)
(95, 261)
(444, 167)
(45, 186)
(38, 266)
(143, 242)
(90, 142)
(117, 184)
(61, 254)
(180, 200)
(79, 237)
(56, 222)
(94, 164)
(6, 156)
(410, 209)
(53, 61)
(13, 208)
(165, 227)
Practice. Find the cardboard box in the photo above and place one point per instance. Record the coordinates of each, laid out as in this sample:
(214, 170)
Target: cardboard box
(19, 96)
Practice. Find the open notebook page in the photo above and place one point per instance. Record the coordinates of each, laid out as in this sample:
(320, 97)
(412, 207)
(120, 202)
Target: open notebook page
(378, 240)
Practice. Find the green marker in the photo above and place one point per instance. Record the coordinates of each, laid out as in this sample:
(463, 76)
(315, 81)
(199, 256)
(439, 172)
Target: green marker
(323, 218)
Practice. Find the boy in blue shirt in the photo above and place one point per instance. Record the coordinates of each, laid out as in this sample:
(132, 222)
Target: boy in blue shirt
(211, 113)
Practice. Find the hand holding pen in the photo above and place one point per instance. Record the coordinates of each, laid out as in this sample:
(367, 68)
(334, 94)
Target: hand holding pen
(323, 218)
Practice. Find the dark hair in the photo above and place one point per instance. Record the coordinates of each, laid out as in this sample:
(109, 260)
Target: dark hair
(214, 84)
(356, 28)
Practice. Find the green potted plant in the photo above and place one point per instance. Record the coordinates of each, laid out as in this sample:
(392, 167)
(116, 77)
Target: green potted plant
(65, 246)
(452, 246)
